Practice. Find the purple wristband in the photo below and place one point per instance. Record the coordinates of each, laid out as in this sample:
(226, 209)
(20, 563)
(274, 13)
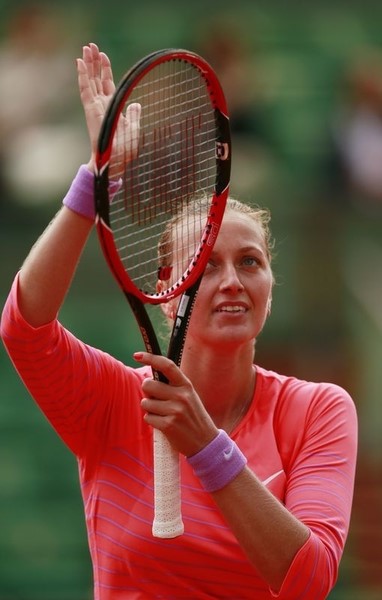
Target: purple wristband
(80, 196)
(218, 463)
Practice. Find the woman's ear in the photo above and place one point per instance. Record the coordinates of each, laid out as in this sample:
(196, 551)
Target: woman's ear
(269, 306)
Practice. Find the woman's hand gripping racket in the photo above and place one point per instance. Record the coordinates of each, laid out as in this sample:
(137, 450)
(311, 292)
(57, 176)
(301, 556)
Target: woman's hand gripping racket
(179, 151)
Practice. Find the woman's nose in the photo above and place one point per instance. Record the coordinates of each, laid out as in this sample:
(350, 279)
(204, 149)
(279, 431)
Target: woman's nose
(230, 279)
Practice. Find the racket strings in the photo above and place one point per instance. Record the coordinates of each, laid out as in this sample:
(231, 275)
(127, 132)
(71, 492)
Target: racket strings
(175, 163)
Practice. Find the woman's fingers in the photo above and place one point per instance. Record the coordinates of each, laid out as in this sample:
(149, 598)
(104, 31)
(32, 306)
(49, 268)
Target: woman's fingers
(175, 408)
(84, 82)
(108, 86)
(99, 71)
(87, 57)
(163, 365)
(132, 128)
(96, 68)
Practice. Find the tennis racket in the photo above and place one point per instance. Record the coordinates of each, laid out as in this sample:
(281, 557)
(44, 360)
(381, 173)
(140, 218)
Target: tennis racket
(180, 152)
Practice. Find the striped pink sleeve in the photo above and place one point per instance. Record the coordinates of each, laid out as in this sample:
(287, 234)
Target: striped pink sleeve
(321, 473)
(73, 383)
(301, 582)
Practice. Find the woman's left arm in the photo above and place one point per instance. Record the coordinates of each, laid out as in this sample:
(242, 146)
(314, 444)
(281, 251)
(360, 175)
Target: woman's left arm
(297, 548)
(269, 534)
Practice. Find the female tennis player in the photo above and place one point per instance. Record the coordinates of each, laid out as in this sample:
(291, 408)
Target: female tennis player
(267, 460)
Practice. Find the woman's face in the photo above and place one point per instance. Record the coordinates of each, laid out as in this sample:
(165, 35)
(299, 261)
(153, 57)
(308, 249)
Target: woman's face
(234, 297)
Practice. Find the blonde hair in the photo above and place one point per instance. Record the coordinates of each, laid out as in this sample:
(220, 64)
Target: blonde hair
(261, 216)
(200, 204)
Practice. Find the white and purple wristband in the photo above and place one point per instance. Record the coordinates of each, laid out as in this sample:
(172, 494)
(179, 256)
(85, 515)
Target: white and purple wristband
(218, 463)
(80, 196)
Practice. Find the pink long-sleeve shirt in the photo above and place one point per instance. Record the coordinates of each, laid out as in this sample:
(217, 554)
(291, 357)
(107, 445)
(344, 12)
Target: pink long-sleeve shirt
(300, 439)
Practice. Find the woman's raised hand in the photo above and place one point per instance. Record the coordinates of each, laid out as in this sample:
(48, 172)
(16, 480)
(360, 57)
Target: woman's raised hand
(96, 86)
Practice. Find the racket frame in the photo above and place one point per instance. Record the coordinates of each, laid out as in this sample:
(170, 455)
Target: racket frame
(167, 521)
(223, 168)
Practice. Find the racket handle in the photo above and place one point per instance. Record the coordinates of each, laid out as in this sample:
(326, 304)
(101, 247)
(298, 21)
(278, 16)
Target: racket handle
(167, 502)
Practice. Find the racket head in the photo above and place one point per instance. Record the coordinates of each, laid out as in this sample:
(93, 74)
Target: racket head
(181, 152)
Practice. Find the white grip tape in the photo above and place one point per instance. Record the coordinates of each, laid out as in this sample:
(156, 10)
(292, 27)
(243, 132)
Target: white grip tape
(167, 498)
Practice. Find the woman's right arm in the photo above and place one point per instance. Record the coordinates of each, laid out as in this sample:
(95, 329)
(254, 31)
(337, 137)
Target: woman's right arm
(47, 272)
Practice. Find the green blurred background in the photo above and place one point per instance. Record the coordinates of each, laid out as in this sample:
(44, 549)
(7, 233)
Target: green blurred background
(304, 86)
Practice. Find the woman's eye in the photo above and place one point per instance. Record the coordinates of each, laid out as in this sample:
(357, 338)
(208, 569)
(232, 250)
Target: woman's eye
(210, 266)
(250, 261)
